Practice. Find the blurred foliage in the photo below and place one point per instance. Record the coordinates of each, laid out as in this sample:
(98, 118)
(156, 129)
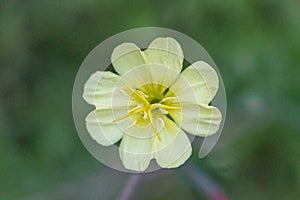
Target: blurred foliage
(255, 44)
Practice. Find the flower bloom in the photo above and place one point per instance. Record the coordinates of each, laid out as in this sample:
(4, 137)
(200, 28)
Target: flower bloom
(150, 103)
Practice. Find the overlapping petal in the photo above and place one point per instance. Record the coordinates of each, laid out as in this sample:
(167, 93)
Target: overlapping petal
(140, 67)
(101, 128)
(165, 51)
(136, 153)
(99, 88)
(197, 119)
(126, 57)
(202, 79)
(153, 75)
(174, 148)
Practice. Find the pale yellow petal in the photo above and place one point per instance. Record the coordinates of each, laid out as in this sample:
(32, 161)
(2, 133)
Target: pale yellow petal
(202, 79)
(101, 128)
(136, 153)
(98, 88)
(174, 148)
(126, 57)
(106, 89)
(151, 74)
(165, 51)
(135, 126)
(160, 63)
(197, 119)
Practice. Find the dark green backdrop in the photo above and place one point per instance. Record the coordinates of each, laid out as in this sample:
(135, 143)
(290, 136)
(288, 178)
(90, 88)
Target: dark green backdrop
(255, 43)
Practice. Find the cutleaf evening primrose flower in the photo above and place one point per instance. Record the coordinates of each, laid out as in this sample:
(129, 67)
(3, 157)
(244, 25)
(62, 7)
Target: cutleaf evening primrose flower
(150, 103)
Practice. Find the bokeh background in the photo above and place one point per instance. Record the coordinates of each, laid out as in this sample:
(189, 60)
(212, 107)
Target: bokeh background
(256, 45)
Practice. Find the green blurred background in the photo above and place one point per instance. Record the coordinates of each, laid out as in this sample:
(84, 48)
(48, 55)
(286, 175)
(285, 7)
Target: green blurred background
(255, 43)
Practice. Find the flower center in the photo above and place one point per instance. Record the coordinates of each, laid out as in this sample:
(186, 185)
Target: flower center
(153, 100)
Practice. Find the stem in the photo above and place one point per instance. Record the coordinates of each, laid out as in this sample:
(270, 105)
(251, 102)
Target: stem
(130, 187)
(205, 183)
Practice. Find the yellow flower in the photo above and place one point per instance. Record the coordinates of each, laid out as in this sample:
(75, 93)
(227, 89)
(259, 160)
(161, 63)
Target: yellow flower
(150, 103)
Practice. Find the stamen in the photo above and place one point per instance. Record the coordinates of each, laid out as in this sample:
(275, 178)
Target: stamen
(145, 115)
(138, 95)
(167, 99)
(162, 121)
(131, 112)
(123, 92)
(142, 93)
(163, 111)
(152, 124)
(157, 105)
(131, 125)
(160, 106)
(146, 108)
(133, 109)
(170, 107)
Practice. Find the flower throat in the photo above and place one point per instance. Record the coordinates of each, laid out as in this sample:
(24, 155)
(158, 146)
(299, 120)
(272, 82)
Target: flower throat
(150, 97)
